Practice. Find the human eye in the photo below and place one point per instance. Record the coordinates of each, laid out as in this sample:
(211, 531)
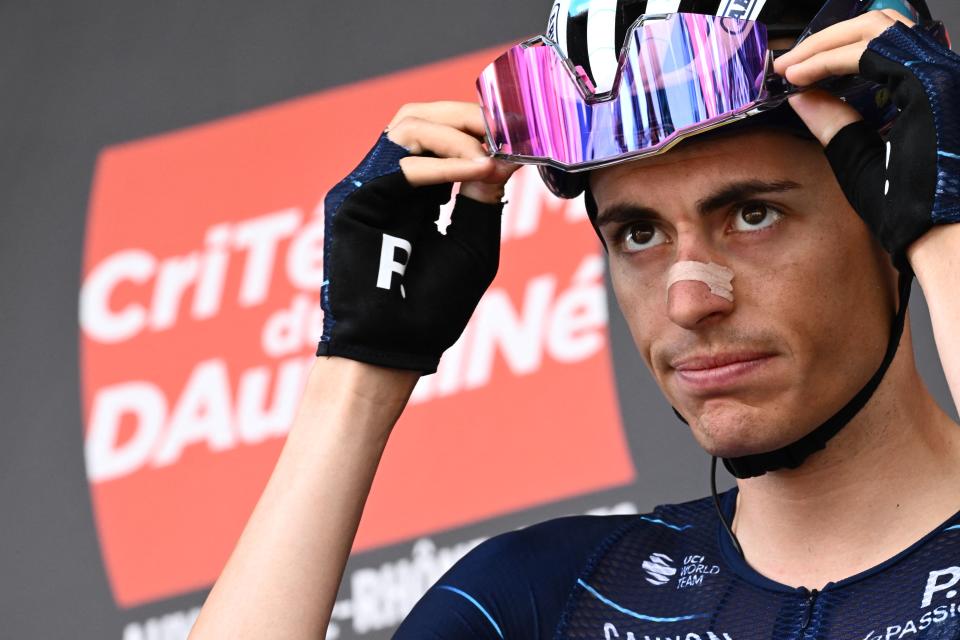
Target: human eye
(640, 236)
(755, 216)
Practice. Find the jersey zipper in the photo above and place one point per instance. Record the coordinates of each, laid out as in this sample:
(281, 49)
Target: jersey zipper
(811, 604)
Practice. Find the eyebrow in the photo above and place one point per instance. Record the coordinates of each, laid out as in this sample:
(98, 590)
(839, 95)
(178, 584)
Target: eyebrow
(725, 196)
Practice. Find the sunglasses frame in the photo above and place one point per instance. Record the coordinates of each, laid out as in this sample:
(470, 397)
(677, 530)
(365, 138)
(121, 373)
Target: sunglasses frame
(774, 92)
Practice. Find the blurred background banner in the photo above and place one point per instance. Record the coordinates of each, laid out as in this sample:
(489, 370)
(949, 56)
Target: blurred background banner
(162, 174)
(199, 320)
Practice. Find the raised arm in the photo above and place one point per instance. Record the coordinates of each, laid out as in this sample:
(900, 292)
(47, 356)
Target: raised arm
(397, 293)
(282, 578)
(936, 261)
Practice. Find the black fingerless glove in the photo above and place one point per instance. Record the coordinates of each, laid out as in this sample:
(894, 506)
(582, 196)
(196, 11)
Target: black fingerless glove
(906, 184)
(397, 293)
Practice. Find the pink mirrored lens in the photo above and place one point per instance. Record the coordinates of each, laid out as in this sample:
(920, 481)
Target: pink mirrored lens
(678, 74)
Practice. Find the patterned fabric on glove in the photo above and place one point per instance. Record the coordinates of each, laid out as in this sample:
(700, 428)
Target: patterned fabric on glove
(906, 184)
(397, 292)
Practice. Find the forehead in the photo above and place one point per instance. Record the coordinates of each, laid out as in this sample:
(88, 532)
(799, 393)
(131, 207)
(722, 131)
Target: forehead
(695, 168)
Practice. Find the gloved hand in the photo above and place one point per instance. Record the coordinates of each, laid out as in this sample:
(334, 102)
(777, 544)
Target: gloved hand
(905, 185)
(397, 292)
(909, 181)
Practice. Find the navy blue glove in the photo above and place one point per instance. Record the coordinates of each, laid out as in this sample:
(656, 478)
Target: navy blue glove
(905, 184)
(397, 292)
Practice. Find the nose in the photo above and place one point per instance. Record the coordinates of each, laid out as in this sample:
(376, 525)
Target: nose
(692, 306)
(695, 302)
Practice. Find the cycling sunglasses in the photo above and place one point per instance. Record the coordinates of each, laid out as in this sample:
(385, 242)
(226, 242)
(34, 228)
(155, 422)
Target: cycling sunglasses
(679, 74)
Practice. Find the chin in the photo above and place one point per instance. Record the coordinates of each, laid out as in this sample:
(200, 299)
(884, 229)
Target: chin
(730, 429)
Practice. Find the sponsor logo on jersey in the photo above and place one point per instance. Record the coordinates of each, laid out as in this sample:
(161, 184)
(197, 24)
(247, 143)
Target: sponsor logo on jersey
(611, 632)
(910, 628)
(940, 587)
(659, 569)
(694, 569)
(941, 581)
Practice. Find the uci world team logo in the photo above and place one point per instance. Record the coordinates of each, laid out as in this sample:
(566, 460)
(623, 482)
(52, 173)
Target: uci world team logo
(659, 569)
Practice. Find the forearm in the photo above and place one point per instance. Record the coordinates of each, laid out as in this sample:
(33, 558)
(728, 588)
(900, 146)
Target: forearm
(282, 578)
(936, 261)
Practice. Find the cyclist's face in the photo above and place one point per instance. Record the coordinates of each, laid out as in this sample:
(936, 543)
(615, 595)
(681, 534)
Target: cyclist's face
(813, 293)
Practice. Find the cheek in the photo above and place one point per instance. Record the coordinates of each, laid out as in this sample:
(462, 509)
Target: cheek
(642, 300)
(822, 293)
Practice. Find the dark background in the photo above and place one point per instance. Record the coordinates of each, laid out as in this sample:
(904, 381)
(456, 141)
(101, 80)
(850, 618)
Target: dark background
(78, 76)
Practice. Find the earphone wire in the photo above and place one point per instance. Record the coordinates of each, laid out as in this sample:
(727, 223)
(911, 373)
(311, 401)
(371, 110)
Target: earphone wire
(716, 504)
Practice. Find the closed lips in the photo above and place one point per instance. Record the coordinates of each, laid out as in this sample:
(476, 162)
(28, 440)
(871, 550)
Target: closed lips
(704, 363)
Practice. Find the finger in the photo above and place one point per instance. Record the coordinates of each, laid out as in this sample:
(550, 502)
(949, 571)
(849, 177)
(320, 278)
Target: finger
(502, 171)
(465, 116)
(899, 17)
(862, 28)
(824, 114)
(491, 189)
(843, 61)
(421, 171)
(419, 136)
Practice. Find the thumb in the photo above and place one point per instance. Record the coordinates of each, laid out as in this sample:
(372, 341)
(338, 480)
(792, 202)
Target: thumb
(857, 155)
(824, 114)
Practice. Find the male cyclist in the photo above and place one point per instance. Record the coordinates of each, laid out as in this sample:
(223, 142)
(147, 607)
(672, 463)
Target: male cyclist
(763, 269)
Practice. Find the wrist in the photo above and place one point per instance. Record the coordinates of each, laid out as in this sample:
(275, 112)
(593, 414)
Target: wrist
(363, 398)
(935, 257)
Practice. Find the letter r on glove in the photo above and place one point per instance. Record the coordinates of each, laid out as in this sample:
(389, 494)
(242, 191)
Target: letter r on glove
(389, 264)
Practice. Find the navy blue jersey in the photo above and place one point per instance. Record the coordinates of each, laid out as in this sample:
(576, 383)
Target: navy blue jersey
(674, 575)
